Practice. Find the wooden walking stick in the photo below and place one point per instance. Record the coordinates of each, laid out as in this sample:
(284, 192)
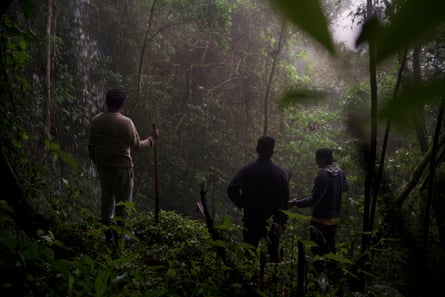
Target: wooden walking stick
(155, 173)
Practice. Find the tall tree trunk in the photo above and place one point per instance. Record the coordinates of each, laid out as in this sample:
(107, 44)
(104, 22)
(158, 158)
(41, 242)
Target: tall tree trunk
(371, 154)
(246, 126)
(49, 31)
(419, 116)
(438, 202)
(144, 46)
(438, 205)
(147, 38)
(379, 174)
(275, 55)
(431, 187)
(396, 205)
(415, 177)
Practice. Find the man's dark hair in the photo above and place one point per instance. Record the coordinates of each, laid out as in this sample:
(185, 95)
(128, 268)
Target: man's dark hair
(115, 99)
(326, 154)
(265, 146)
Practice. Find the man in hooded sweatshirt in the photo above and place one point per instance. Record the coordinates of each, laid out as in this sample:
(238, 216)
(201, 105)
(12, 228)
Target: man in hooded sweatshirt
(325, 201)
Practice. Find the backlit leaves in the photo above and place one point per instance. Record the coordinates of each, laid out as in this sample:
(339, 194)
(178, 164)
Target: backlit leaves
(414, 21)
(307, 15)
(411, 99)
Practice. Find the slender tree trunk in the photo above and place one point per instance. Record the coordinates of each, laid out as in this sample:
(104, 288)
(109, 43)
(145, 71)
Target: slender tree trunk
(370, 162)
(438, 205)
(397, 204)
(49, 30)
(431, 186)
(415, 178)
(419, 116)
(155, 179)
(275, 55)
(247, 148)
(379, 176)
(147, 38)
(144, 46)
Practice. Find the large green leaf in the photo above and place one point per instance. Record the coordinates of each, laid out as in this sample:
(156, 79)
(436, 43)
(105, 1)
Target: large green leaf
(338, 258)
(302, 96)
(414, 21)
(309, 16)
(411, 99)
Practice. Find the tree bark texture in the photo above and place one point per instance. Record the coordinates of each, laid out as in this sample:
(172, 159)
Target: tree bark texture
(431, 187)
(144, 46)
(49, 32)
(370, 172)
(419, 116)
(379, 175)
(275, 55)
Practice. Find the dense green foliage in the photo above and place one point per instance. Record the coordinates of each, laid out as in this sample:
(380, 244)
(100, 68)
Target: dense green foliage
(175, 258)
(213, 75)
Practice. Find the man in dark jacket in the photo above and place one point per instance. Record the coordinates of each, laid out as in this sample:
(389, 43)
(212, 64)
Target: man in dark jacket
(261, 190)
(326, 199)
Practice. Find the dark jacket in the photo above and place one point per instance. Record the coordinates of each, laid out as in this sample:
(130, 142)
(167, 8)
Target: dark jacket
(261, 190)
(326, 198)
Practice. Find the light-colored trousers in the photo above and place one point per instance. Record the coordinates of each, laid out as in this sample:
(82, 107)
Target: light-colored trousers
(116, 185)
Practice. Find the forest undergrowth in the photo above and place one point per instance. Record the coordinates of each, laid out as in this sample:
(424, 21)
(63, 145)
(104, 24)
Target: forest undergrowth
(174, 257)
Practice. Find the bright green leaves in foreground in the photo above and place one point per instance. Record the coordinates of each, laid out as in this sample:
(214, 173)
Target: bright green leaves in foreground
(307, 15)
